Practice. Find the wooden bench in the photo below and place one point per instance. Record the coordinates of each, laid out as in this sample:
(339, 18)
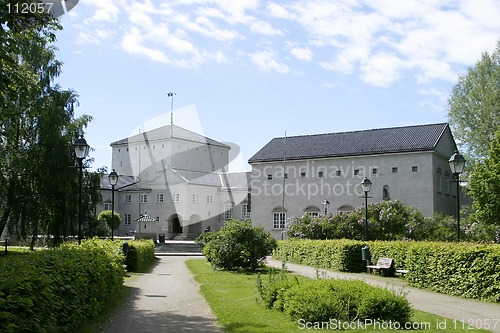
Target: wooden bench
(385, 265)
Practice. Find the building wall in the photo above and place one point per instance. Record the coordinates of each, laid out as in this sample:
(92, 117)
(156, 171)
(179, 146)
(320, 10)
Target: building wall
(145, 159)
(408, 177)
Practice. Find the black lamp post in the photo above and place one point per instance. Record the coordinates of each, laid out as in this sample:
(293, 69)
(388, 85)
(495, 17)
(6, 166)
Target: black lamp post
(326, 204)
(366, 184)
(81, 150)
(113, 180)
(457, 165)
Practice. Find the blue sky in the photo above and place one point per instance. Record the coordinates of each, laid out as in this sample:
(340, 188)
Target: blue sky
(245, 71)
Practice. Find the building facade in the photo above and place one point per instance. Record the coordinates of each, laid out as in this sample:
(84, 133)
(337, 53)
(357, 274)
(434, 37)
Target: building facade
(294, 175)
(173, 182)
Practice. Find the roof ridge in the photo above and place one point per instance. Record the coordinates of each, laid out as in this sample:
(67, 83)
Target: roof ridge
(360, 131)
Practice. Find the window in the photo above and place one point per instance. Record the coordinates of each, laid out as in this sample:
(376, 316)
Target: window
(209, 213)
(210, 198)
(157, 219)
(195, 197)
(302, 175)
(339, 173)
(269, 177)
(228, 211)
(439, 181)
(127, 219)
(127, 198)
(245, 212)
(144, 198)
(374, 171)
(286, 176)
(313, 214)
(356, 172)
(320, 174)
(394, 169)
(414, 168)
(279, 220)
(159, 198)
(176, 197)
(107, 206)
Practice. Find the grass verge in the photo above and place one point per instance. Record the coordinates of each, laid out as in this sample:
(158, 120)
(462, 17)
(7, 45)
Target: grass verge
(235, 301)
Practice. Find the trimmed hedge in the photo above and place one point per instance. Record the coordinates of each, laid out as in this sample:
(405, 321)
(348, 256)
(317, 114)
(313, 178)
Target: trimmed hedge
(141, 253)
(344, 300)
(56, 290)
(460, 269)
(340, 255)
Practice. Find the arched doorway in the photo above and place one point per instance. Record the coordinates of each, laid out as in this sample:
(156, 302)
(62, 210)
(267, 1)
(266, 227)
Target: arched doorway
(176, 225)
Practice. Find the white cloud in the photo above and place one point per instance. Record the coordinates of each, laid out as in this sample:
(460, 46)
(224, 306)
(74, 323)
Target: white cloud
(106, 11)
(304, 54)
(381, 69)
(94, 37)
(132, 43)
(265, 28)
(266, 63)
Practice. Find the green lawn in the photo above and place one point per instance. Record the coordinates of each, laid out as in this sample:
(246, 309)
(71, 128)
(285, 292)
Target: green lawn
(234, 299)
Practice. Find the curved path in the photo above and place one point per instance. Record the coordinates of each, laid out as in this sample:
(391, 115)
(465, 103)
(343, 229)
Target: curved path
(167, 299)
(481, 314)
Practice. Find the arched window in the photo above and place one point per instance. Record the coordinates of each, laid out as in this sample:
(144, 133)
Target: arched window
(386, 195)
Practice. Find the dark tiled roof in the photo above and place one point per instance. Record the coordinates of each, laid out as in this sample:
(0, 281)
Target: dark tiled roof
(375, 141)
(166, 133)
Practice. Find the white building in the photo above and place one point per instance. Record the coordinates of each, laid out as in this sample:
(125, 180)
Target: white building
(174, 182)
(409, 164)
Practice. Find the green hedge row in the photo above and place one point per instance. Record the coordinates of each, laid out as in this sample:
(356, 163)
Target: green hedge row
(340, 255)
(343, 300)
(57, 290)
(460, 269)
(141, 253)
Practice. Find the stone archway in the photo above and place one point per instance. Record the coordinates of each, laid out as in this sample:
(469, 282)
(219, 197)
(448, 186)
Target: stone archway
(175, 225)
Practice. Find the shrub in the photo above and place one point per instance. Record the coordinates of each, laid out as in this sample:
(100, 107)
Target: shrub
(57, 290)
(460, 269)
(238, 245)
(345, 300)
(141, 253)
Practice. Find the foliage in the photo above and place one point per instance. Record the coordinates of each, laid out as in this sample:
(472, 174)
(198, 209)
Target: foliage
(106, 217)
(473, 105)
(57, 290)
(238, 245)
(461, 269)
(141, 253)
(38, 185)
(484, 189)
(340, 255)
(388, 220)
(343, 300)
(229, 292)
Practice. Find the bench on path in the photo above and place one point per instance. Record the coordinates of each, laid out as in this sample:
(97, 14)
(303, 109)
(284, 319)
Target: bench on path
(385, 265)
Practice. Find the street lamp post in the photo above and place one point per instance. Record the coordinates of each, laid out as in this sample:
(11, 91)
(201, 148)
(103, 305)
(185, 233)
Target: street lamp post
(113, 180)
(366, 184)
(457, 165)
(326, 204)
(81, 150)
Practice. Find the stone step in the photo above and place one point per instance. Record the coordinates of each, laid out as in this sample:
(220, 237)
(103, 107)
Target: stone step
(178, 247)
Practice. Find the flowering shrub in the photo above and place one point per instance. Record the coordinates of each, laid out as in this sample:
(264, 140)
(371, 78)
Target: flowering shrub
(387, 220)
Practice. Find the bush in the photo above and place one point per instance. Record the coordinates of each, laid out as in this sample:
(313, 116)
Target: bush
(387, 220)
(238, 245)
(57, 290)
(344, 300)
(141, 254)
(461, 269)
